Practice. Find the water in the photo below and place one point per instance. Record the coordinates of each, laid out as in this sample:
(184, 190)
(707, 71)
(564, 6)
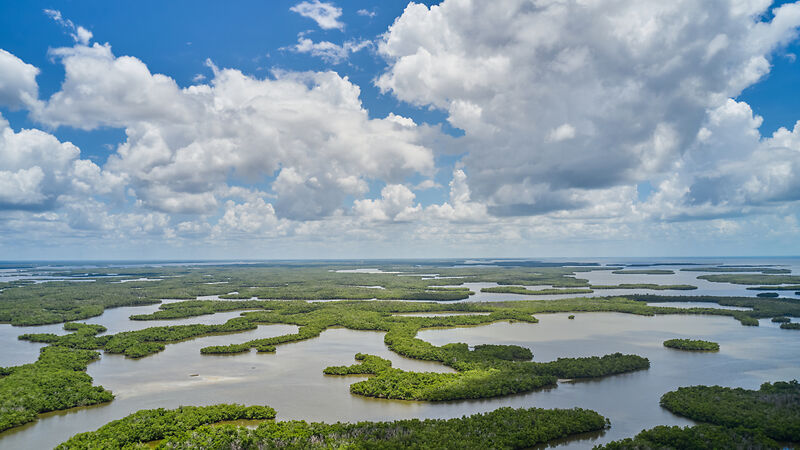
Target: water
(292, 381)
(607, 277)
(698, 305)
(748, 356)
(16, 352)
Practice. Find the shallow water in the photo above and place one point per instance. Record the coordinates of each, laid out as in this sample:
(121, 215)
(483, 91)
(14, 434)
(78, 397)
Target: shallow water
(606, 277)
(16, 352)
(698, 305)
(292, 381)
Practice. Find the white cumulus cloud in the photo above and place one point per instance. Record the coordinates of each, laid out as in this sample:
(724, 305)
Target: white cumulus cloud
(559, 99)
(324, 13)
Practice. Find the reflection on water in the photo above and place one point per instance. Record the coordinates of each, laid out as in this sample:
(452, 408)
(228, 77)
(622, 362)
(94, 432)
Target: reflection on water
(292, 382)
(748, 356)
(16, 352)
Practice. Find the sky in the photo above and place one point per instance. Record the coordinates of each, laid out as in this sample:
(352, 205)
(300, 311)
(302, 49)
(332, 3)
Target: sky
(355, 129)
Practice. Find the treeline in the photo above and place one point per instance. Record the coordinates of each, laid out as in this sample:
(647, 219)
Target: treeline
(643, 272)
(709, 437)
(773, 410)
(135, 344)
(479, 374)
(755, 279)
(692, 345)
(370, 364)
(592, 366)
(792, 287)
(733, 418)
(150, 425)
(57, 380)
(506, 369)
(432, 386)
(761, 307)
(650, 286)
(504, 428)
(522, 290)
(763, 270)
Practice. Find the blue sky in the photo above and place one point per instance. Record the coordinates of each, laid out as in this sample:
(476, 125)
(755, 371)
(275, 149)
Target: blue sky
(477, 130)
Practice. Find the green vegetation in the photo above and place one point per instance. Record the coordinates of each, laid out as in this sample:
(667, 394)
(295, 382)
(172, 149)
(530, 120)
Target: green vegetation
(313, 318)
(486, 371)
(154, 424)
(761, 307)
(773, 410)
(655, 287)
(525, 291)
(25, 303)
(134, 344)
(767, 295)
(644, 272)
(62, 301)
(504, 428)
(57, 380)
(763, 270)
(692, 345)
(571, 317)
(790, 326)
(698, 437)
(370, 364)
(738, 278)
(781, 319)
(791, 287)
(507, 369)
(733, 418)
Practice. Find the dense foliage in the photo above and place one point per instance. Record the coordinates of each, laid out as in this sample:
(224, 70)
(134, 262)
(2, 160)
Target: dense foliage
(370, 364)
(781, 319)
(155, 424)
(135, 344)
(757, 269)
(651, 286)
(26, 303)
(525, 291)
(504, 428)
(692, 344)
(699, 437)
(767, 295)
(486, 371)
(481, 372)
(761, 307)
(773, 410)
(756, 279)
(790, 326)
(791, 287)
(644, 272)
(57, 380)
(501, 369)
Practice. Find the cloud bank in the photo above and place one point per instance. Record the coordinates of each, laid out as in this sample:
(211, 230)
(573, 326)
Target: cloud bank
(566, 108)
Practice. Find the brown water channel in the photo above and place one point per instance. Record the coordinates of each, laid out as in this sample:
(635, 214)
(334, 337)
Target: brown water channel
(291, 380)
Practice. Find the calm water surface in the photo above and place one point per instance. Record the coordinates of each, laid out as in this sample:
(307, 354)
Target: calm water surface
(292, 381)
